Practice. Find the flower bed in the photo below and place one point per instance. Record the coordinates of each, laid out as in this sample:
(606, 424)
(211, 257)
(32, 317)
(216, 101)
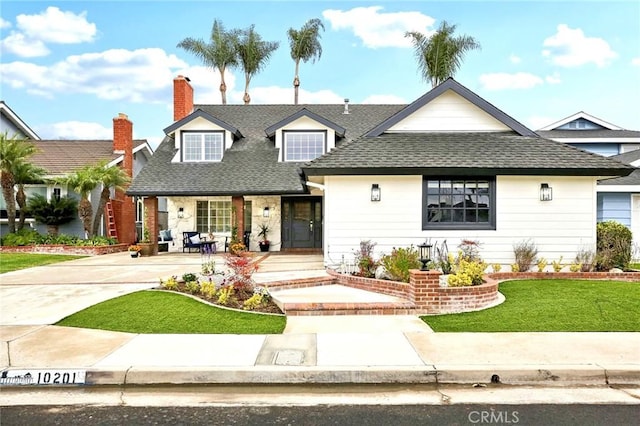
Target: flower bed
(65, 249)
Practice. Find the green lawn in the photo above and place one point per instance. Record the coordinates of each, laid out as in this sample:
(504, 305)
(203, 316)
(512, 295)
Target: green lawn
(161, 312)
(552, 305)
(14, 261)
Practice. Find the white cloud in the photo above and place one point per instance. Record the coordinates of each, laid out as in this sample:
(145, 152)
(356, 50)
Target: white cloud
(56, 26)
(384, 99)
(4, 24)
(504, 81)
(553, 78)
(571, 48)
(33, 32)
(75, 130)
(377, 29)
(635, 62)
(142, 75)
(18, 44)
(514, 59)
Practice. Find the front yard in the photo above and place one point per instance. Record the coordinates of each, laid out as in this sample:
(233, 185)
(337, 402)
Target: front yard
(552, 305)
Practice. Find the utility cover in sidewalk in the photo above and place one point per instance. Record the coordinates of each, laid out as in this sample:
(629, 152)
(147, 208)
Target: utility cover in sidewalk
(288, 357)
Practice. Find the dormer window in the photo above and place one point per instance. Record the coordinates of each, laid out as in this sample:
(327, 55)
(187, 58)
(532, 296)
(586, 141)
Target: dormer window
(304, 146)
(202, 146)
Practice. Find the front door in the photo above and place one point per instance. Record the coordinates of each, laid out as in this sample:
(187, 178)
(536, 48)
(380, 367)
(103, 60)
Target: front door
(302, 222)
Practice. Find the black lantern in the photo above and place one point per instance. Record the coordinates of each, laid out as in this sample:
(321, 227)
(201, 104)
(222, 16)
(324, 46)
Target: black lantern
(425, 254)
(375, 192)
(546, 192)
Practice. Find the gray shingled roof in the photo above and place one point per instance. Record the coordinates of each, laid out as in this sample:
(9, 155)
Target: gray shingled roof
(250, 166)
(59, 156)
(466, 153)
(633, 178)
(628, 157)
(595, 133)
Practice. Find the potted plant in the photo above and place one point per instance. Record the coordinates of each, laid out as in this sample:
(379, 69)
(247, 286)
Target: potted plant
(134, 250)
(264, 242)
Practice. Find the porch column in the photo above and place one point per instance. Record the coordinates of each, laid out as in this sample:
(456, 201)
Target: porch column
(237, 204)
(151, 222)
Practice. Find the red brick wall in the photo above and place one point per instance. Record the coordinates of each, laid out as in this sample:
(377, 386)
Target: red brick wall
(182, 98)
(124, 206)
(238, 221)
(151, 222)
(619, 276)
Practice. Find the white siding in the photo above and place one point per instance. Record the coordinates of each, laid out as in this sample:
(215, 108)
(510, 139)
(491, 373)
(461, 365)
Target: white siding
(560, 227)
(449, 112)
(199, 124)
(305, 124)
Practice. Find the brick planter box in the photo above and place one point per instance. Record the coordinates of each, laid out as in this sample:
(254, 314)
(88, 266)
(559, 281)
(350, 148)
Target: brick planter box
(62, 249)
(618, 276)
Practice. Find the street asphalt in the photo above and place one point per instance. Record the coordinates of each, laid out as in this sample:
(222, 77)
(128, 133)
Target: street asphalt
(313, 349)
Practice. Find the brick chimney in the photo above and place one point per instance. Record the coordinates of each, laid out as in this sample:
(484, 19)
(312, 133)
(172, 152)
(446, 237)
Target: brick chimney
(123, 206)
(182, 97)
(123, 141)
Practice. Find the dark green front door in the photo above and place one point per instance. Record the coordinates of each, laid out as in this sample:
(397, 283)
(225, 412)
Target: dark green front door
(302, 222)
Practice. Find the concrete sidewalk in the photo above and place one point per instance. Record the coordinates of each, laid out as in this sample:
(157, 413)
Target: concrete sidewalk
(338, 349)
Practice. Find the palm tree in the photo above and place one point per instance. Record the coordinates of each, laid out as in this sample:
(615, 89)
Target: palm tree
(13, 151)
(219, 53)
(305, 45)
(53, 213)
(25, 173)
(253, 53)
(111, 177)
(440, 55)
(83, 181)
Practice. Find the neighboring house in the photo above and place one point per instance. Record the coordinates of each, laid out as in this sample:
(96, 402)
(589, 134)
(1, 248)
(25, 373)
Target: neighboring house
(618, 198)
(62, 157)
(12, 124)
(449, 166)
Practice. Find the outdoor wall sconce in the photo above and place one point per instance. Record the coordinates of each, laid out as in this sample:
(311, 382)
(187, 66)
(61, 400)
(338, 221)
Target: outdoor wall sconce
(375, 192)
(546, 192)
(265, 212)
(180, 213)
(425, 254)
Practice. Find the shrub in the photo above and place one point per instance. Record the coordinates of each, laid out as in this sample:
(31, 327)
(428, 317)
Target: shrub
(515, 267)
(585, 258)
(557, 265)
(253, 302)
(189, 277)
(444, 260)
(613, 247)
(496, 267)
(470, 250)
(170, 284)
(192, 287)
(467, 272)
(54, 212)
(364, 260)
(208, 289)
(525, 253)
(242, 268)
(541, 263)
(225, 295)
(400, 261)
(576, 267)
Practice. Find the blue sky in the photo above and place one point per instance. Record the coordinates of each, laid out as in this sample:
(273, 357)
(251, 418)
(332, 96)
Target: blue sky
(68, 67)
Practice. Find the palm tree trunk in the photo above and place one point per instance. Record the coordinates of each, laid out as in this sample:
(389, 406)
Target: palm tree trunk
(104, 198)
(21, 199)
(7, 191)
(85, 212)
(246, 98)
(52, 230)
(223, 88)
(296, 84)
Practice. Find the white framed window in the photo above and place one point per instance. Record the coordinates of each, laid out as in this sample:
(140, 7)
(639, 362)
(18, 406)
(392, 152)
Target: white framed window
(198, 146)
(213, 216)
(304, 146)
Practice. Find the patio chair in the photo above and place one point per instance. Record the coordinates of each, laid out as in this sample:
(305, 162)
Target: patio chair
(190, 240)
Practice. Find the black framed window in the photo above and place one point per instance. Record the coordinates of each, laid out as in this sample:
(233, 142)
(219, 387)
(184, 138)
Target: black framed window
(304, 146)
(458, 203)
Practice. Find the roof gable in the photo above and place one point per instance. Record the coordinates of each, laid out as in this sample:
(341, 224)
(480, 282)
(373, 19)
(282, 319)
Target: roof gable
(13, 118)
(581, 115)
(468, 95)
(271, 130)
(202, 114)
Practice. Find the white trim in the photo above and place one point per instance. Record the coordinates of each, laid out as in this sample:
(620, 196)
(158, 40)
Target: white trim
(603, 139)
(618, 188)
(315, 185)
(584, 115)
(17, 121)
